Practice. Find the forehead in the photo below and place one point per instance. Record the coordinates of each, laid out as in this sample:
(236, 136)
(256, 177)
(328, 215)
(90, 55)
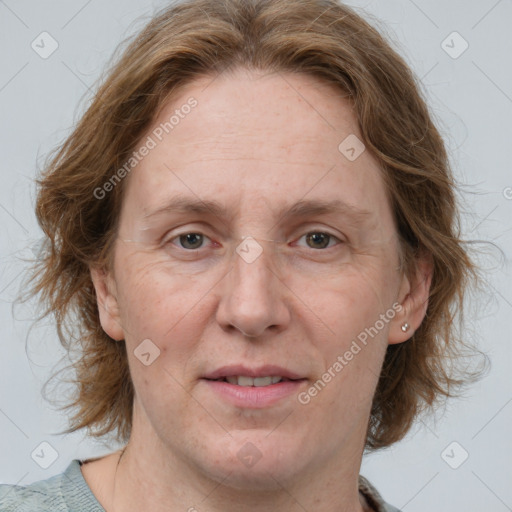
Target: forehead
(251, 137)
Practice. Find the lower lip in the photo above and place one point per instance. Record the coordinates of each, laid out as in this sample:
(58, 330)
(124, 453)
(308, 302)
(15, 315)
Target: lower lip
(252, 396)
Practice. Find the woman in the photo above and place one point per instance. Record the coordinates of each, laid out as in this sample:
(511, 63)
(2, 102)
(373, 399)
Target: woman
(255, 225)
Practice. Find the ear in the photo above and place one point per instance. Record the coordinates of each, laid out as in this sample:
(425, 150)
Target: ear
(413, 297)
(108, 306)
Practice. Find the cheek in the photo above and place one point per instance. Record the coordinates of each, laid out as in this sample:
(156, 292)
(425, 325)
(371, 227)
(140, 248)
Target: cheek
(154, 296)
(352, 340)
(350, 301)
(167, 310)
(167, 307)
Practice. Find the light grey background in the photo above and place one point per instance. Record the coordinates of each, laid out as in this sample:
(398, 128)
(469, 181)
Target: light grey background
(471, 97)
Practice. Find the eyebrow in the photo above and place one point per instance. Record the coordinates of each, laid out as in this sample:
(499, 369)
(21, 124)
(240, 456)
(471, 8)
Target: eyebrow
(302, 208)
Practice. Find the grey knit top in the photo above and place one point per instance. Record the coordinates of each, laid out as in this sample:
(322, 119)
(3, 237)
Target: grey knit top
(69, 492)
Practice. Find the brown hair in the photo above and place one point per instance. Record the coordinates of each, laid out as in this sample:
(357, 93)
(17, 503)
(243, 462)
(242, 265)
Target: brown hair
(320, 38)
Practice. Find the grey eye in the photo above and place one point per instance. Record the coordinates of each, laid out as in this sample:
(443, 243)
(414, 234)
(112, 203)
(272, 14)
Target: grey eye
(319, 239)
(191, 240)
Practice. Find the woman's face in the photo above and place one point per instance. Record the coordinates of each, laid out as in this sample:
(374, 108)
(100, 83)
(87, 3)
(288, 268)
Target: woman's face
(312, 296)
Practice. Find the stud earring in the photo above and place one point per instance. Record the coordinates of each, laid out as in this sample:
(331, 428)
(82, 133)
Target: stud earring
(405, 327)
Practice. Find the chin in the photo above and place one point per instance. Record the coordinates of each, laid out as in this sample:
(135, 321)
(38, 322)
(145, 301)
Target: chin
(258, 462)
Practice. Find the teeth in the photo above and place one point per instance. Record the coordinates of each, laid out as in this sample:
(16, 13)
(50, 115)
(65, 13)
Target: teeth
(242, 380)
(262, 381)
(245, 381)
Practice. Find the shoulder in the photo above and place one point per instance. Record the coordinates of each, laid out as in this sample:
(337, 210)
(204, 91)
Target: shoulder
(59, 493)
(373, 497)
(41, 496)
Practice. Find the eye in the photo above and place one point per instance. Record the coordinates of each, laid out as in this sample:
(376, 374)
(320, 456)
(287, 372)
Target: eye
(189, 241)
(319, 239)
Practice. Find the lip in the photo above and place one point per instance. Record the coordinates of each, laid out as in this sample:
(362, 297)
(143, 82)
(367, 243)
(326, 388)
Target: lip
(253, 397)
(267, 370)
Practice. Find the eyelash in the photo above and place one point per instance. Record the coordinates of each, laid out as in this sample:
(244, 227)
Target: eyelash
(178, 236)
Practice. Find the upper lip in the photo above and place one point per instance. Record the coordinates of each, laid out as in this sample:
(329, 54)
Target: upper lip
(268, 370)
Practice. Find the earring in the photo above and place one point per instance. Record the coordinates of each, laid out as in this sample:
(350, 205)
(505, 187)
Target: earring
(405, 327)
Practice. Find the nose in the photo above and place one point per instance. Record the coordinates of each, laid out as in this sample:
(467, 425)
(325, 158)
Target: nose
(254, 297)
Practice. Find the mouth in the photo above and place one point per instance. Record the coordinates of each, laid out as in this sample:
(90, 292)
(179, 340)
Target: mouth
(254, 388)
(257, 382)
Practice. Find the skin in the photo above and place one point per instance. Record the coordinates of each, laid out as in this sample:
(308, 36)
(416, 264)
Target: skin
(256, 142)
